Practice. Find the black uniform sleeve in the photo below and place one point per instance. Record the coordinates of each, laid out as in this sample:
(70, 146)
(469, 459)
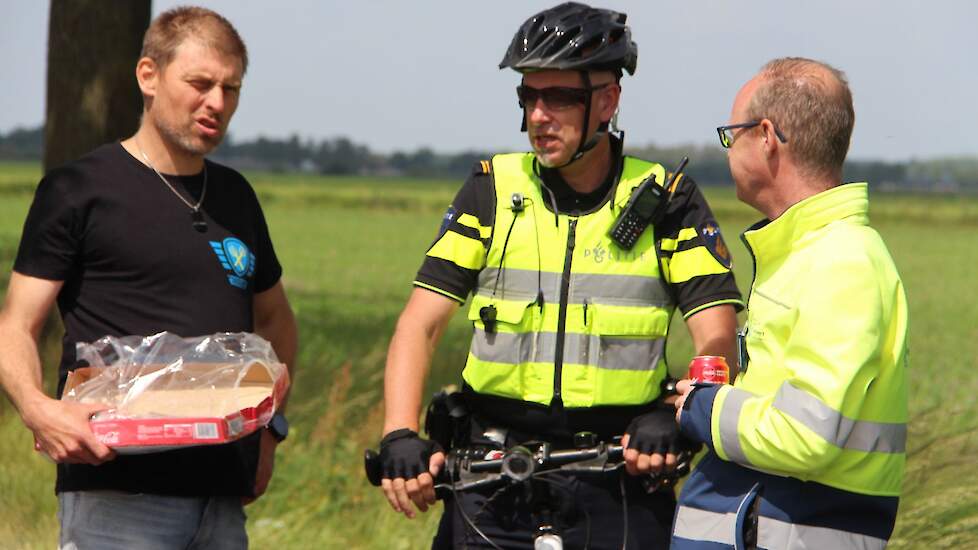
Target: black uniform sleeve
(453, 261)
(49, 245)
(695, 258)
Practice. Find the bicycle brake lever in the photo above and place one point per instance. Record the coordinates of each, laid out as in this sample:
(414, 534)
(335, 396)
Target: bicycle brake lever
(480, 481)
(653, 482)
(598, 464)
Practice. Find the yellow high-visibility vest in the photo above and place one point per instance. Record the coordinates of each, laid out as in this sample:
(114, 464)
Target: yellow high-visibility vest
(597, 336)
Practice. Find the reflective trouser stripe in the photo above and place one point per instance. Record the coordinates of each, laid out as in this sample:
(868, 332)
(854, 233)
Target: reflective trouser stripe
(704, 525)
(631, 290)
(811, 412)
(602, 352)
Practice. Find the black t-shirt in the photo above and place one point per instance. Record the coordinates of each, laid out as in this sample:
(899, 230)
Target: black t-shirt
(133, 264)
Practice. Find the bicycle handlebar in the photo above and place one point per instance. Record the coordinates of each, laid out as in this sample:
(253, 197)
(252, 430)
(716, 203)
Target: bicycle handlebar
(471, 468)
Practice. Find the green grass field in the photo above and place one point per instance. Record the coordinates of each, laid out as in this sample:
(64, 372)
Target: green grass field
(350, 247)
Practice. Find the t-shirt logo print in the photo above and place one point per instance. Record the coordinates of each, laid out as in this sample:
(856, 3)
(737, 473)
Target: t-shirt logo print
(236, 258)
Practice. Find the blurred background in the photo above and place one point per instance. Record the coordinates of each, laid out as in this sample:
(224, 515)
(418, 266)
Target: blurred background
(359, 121)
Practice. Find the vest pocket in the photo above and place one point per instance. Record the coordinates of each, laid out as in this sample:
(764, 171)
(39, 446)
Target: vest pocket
(511, 315)
(626, 337)
(498, 360)
(613, 320)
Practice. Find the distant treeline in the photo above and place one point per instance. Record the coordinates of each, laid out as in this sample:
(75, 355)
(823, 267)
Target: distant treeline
(341, 156)
(22, 144)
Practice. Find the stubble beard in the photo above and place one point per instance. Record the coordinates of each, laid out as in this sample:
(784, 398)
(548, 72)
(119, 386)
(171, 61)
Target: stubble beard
(544, 162)
(553, 158)
(183, 139)
(545, 159)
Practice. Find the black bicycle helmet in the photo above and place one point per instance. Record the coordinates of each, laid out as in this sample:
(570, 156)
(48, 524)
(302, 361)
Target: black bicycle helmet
(575, 37)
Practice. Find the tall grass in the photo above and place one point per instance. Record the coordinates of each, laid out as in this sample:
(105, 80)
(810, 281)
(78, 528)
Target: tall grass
(350, 248)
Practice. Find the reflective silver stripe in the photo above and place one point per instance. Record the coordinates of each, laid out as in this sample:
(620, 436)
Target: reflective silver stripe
(774, 533)
(602, 352)
(839, 430)
(506, 347)
(703, 525)
(612, 288)
(515, 283)
(629, 354)
(729, 417)
(604, 288)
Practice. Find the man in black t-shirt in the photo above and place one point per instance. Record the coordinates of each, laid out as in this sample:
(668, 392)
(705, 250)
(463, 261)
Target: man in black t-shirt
(140, 237)
(569, 325)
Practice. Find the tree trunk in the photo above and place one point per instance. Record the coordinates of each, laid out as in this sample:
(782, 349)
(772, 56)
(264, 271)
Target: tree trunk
(92, 96)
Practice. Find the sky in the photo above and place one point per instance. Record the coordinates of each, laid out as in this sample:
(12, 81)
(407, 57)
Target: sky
(397, 75)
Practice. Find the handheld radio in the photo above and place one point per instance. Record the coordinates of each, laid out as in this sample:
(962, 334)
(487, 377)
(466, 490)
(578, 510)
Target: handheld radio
(645, 207)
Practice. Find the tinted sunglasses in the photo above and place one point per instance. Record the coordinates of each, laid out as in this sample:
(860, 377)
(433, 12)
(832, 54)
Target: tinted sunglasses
(555, 98)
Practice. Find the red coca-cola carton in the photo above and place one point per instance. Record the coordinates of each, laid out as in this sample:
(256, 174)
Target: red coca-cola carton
(709, 369)
(165, 392)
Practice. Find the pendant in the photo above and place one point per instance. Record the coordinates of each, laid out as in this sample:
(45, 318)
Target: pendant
(198, 221)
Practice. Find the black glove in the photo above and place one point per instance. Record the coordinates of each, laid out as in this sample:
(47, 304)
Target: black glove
(404, 454)
(657, 432)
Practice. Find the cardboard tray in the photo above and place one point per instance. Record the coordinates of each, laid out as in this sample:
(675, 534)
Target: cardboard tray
(159, 420)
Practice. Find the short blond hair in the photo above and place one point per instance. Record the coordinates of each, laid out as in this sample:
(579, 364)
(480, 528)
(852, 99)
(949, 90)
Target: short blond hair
(172, 27)
(810, 102)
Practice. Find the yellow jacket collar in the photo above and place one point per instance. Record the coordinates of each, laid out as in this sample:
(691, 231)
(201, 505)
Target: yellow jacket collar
(771, 239)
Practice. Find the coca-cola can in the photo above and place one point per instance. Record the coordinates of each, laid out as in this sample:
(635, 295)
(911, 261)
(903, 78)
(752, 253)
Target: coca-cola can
(709, 369)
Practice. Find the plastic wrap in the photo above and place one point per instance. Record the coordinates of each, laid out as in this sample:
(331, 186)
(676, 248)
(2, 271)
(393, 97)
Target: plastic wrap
(164, 391)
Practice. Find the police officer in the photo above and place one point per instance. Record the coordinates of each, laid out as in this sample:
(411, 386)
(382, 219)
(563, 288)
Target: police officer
(807, 448)
(569, 326)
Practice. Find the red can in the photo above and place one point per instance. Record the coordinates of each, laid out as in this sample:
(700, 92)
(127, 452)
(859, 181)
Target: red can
(709, 369)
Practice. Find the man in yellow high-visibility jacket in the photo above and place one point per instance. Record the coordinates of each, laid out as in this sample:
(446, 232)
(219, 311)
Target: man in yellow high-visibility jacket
(569, 327)
(807, 447)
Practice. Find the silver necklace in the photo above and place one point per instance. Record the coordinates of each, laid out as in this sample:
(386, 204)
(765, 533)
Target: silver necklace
(196, 217)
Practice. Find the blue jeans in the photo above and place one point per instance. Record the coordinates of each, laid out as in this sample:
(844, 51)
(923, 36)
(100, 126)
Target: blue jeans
(113, 520)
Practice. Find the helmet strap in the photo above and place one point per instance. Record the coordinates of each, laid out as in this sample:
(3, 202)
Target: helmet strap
(614, 126)
(614, 122)
(586, 144)
(587, 117)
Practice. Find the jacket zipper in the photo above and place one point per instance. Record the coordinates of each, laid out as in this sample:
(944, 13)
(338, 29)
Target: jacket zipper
(753, 259)
(562, 310)
(742, 357)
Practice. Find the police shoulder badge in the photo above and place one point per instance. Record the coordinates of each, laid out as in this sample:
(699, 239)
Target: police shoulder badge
(446, 221)
(713, 241)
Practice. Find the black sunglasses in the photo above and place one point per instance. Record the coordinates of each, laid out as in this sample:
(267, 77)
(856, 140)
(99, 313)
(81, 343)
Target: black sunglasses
(727, 135)
(555, 98)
